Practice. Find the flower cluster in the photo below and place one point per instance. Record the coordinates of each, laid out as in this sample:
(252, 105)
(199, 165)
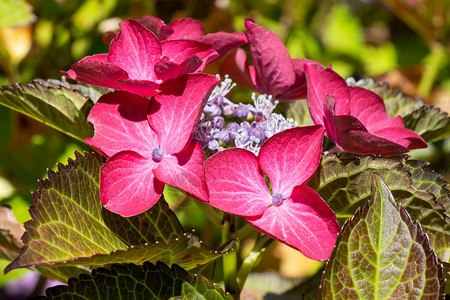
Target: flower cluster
(167, 117)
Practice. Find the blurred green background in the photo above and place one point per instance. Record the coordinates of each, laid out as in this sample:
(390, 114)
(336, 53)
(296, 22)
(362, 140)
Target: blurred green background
(405, 43)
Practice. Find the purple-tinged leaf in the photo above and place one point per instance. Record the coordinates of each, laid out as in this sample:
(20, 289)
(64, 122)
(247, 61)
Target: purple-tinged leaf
(236, 183)
(68, 223)
(430, 122)
(344, 183)
(175, 112)
(127, 185)
(62, 108)
(304, 221)
(120, 123)
(382, 252)
(139, 282)
(291, 157)
(185, 171)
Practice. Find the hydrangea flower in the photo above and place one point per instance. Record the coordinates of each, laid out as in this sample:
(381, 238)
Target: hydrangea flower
(273, 71)
(356, 118)
(187, 28)
(138, 62)
(288, 211)
(148, 143)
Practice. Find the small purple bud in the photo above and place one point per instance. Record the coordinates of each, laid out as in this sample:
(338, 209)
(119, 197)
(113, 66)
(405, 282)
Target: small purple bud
(213, 144)
(277, 199)
(219, 100)
(233, 126)
(259, 117)
(228, 110)
(223, 135)
(241, 111)
(219, 122)
(157, 154)
(258, 133)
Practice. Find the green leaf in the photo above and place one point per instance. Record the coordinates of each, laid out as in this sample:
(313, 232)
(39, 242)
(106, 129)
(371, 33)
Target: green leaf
(69, 226)
(382, 252)
(59, 107)
(430, 122)
(202, 289)
(397, 104)
(186, 251)
(15, 13)
(345, 184)
(299, 111)
(90, 91)
(10, 234)
(136, 282)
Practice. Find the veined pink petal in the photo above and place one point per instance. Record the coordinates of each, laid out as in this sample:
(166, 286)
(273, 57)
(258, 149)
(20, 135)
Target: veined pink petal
(180, 50)
(402, 136)
(175, 111)
(186, 29)
(236, 66)
(96, 70)
(223, 42)
(236, 183)
(273, 66)
(143, 88)
(322, 83)
(370, 110)
(157, 26)
(363, 142)
(338, 125)
(185, 171)
(166, 69)
(291, 157)
(120, 123)
(136, 50)
(304, 221)
(127, 184)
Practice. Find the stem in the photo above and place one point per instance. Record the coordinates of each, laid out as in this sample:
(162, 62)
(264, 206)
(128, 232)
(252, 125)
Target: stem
(435, 62)
(210, 213)
(229, 259)
(242, 232)
(252, 259)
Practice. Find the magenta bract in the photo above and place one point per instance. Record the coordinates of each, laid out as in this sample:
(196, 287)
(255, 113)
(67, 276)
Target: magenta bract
(148, 143)
(138, 62)
(292, 213)
(190, 29)
(356, 118)
(273, 71)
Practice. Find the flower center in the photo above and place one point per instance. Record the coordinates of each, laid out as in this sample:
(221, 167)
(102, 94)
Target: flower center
(277, 199)
(157, 153)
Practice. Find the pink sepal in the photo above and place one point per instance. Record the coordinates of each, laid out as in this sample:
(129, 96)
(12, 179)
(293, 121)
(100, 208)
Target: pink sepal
(127, 184)
(303, 221)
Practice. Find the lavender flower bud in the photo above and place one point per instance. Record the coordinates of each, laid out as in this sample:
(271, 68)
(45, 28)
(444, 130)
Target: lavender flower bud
(241, 111)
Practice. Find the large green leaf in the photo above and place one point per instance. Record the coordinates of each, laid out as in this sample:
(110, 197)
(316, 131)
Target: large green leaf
(345, 184)
(69, 226)
(59, 107)
(397, 104)
(138, 282)
(430, 122)
(186, 251)
(382, 252)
